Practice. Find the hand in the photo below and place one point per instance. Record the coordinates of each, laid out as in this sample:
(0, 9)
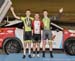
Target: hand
(12, 8)
(53, 37)
(61, 10)
(23, 27)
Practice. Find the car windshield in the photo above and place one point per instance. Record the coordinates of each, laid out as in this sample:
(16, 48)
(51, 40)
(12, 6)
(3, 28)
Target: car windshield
(55, 27)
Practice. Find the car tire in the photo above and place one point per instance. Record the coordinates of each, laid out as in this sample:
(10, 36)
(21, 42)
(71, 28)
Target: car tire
(69, 46)
(12, 45)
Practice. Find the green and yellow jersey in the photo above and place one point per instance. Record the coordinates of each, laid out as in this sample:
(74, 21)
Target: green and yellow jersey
(27, 23)
(46, 22)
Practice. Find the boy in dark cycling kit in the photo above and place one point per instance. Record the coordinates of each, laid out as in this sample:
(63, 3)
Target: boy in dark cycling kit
(27, 20)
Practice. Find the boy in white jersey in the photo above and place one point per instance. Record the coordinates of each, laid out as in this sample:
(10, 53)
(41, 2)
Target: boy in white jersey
(37, 26)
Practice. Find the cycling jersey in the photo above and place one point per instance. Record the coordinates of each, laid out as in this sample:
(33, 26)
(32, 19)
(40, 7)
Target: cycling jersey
(46, 22)
(37, 26)
(27, 23)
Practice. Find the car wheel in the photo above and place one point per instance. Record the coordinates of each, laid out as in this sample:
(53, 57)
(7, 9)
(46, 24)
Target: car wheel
(69, 46)
(12, 45)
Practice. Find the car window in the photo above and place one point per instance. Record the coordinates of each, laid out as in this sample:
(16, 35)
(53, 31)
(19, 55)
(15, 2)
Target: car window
(18, 25)
(55, 28)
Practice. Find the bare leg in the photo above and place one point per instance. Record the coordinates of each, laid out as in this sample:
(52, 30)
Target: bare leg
(43, 46)
(34, 49)
(29, 47)
(24, 51)
(25, 45)
(38, 49)
(50, 48)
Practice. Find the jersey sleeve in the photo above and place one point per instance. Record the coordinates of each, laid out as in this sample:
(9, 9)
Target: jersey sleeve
(32, 18)
(32, 24)
(22, 18)
(42, 25)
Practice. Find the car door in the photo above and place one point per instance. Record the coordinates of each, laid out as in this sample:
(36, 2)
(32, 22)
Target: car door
(57, 42)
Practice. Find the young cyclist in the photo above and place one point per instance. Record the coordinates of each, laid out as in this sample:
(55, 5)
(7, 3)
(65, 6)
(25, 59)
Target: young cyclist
(27, 20)
(47, 34)
(37, 26)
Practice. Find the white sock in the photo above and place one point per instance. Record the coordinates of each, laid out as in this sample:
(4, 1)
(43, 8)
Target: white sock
(24, 52)
(29, 51)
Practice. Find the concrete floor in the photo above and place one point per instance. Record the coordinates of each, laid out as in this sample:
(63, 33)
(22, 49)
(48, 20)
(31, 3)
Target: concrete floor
(59, 55)
(18, 57)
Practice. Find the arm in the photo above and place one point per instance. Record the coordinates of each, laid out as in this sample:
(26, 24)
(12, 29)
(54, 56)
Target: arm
(12, 10)
(32, 27)
(42, 25)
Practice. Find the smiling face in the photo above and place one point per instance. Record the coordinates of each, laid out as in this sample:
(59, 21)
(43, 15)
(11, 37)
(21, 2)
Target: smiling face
(45, 13)
(28, 13)
(36, 16)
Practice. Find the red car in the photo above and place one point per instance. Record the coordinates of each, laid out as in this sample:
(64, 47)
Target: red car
(11, 38)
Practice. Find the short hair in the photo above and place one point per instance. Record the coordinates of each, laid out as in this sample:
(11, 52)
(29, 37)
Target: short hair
(27, 10)
(37, 13)
(45, 10)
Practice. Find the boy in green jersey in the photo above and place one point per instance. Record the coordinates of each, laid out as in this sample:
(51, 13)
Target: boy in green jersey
(47, 34)
(27, 20)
